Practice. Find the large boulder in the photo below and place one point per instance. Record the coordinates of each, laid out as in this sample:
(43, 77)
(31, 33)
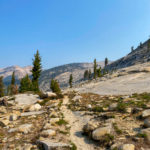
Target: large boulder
(100, 132)
(146, 113)
(127, 147)
(49, 145)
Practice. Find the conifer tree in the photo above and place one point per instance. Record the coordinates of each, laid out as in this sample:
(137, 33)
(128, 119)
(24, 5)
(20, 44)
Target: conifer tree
(13, 88)
(36, 71)
(55, 86)
(90, 74)
(70, 80)
(86, 74)
(13, 80)
(148, 45)
(106, 61)
(25, 84)
(99, 72)
(1, 87)
(95, 69)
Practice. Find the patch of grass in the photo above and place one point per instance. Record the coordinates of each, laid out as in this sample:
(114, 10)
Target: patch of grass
(74, 147)
(143, 96)
(121, 107)
(107, 139)
(141, 135)
(97, 109)
(62, 122)
(44, 101)
(60, 103)
(63, 132)
(117, 130)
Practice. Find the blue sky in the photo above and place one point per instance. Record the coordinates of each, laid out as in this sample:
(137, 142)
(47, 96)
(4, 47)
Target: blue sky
(67, 31)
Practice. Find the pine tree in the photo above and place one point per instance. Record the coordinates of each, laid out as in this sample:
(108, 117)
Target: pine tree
(55, 86)
(1, 87)
(95, 69)
(132, 48)
(148, 45)
(70, 80)
(13, 88)
(86, 74)
(36, 71)
(25, 84)
(13, 80)
(106, 61)
(90, 74)
(99, 72)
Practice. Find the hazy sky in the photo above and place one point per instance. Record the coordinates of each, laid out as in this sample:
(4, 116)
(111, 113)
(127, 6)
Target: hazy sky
(67, 31)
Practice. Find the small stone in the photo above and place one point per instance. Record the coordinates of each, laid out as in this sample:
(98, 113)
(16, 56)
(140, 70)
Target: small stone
(54, 120)
(35, 107)
(47, 133)
(127, 147)
(13, 117)
(113, 106)
(146, 113)
(4, 123)
(129, 110)
(25, 128)
(147, 122)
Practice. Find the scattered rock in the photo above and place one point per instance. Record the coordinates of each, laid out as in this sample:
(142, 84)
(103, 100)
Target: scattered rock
(90, 126)
(3, 110)
(129, 110)
(48, 145)
(146, 113)
(13, 117)
(4, 122)
(47, 126)
(147, 122)
(54, 120)
(35, 107)
(25, 128)
(147, 133)
(47, 133)
(127, 147)
(113, 106)
(100, 132)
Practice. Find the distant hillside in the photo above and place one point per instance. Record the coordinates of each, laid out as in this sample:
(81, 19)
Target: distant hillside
(140, 55)
(19, 72)
(62, 73)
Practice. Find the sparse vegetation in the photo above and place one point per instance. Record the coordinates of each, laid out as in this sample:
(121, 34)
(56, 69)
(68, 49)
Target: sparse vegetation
(55, 86)
(1, 87)
(62, 122)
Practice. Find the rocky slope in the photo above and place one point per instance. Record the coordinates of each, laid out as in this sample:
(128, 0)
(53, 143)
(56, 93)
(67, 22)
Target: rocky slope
(134, 79)
(140, 55)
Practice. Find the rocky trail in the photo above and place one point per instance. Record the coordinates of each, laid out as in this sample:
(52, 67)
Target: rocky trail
(76, 122)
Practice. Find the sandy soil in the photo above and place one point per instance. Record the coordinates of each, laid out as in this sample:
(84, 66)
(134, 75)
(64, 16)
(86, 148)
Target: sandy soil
(76, 122)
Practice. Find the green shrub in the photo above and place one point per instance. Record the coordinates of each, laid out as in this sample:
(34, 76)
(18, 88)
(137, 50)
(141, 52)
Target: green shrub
(121, 107)
(62, 122)
(97, 109)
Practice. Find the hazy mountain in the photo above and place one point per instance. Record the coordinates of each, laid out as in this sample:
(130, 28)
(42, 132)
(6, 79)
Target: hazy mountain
(19, 72)
(62, 73)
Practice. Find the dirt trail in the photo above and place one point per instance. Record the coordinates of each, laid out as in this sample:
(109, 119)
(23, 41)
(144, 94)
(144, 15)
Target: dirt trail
(76, 122)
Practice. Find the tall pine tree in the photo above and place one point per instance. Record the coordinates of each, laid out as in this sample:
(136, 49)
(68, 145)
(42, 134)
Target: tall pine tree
(1, 87)
(95, 69)
(106, 61)
(36, 71)
(13, 80)
(70, 80)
